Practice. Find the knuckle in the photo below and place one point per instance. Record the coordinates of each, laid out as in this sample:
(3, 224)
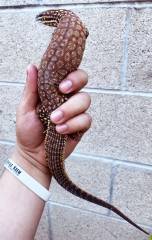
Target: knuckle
(79, 74)
(88, 119)
(73, 76)
(84, 75)
(86, 98)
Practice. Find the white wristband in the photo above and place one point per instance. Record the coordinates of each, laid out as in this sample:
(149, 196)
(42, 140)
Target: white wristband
(27, 180)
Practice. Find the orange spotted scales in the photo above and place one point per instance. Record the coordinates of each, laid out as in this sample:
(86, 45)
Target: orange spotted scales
(63, 55)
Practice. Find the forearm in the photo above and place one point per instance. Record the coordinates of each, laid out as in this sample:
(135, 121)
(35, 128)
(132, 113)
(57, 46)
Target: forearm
(20, 208)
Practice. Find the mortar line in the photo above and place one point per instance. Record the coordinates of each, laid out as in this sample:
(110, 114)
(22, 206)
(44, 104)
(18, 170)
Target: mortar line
(7, 142)
(49, 221)
(91, 90)
(97, 157)
(123, 70)
(112, 178)
(115, 218)
(113, 160)
(129, 4)
(90, 211)
(4, 83)
(118, 92)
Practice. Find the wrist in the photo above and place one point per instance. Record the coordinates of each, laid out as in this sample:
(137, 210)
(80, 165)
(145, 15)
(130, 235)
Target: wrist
(32, 167)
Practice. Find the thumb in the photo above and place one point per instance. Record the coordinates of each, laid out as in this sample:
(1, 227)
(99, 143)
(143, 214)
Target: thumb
(30, 93)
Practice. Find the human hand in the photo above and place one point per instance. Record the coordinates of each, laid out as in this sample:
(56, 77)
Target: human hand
(29, 129)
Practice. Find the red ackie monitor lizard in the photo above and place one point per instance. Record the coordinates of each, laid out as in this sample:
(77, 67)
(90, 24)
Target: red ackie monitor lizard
(63, 55)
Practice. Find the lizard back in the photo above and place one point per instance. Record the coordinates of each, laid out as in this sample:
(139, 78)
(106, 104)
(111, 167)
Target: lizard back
(63, 55)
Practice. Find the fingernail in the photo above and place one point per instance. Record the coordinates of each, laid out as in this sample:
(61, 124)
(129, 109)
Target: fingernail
(57, 115)
(27, 73)
(66, 85)
(29, 67)
(61, 128)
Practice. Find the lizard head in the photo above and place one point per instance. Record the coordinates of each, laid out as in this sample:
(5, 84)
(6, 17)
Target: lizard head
(51, 17)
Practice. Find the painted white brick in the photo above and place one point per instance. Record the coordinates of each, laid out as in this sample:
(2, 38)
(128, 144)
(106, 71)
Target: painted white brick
(91, 175)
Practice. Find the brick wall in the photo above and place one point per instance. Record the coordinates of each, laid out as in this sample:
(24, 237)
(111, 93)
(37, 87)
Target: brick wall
(114, 159)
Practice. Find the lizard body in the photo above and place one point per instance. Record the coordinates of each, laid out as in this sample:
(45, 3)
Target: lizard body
(62, 56)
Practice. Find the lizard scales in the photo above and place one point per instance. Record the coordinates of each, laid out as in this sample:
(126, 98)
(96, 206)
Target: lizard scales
(63, 55)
